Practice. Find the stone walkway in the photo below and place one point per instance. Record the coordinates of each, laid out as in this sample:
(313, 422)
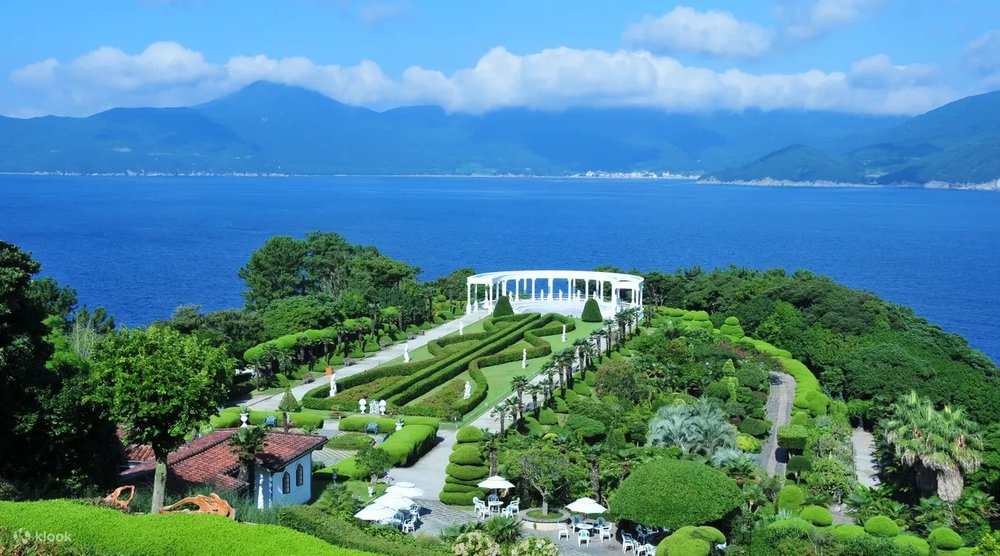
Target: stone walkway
(779, 411)
(270, 402)
(436, 516)
(428, 473)
(330, 456)
(865, 465)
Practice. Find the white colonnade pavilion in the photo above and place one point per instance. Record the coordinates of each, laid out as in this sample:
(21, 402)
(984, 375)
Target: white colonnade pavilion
(554, 291)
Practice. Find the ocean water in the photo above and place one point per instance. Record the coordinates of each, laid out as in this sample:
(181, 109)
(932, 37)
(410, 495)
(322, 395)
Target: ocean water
(142, 246)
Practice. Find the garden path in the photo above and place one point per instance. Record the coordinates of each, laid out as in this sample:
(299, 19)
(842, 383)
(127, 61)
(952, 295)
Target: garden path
(428, 473)
(270, 403)
(779, 411)
(865, 465)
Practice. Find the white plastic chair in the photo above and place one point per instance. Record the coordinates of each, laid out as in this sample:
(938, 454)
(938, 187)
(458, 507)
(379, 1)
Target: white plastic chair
(628, 542)
(563, 531)
(583, 537)
(604, 531)
(410, 525)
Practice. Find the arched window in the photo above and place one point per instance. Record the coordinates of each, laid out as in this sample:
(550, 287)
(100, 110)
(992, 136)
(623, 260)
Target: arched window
(299, 475)
(286, 483)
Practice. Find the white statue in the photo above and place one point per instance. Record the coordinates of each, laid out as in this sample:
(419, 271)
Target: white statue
(564, 334)
(333, 385)
(361, 405)
(524, 358)
(381, 407)
(461, 329)
(406, 352)
(468, 391)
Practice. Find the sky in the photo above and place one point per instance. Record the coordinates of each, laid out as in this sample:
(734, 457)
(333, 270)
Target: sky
(74, 58)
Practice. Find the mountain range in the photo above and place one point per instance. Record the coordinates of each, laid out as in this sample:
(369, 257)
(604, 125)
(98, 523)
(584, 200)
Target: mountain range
(271, 128)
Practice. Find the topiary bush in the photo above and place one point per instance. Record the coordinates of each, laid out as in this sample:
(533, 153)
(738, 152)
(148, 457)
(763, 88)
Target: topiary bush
(731, 327)
(846, 531)
(790, 498)
(793, 437)
(581, 388)
(675, 494)
(502, 308)
(755, 427)
(915, 543)
(469, 434)
(797, 465)
(882, 526)
(547, 416)
(749, 443)
(794, 523)
(466, 454)
(591, 311)
(817, 515)
(690, 541)
(944, 538)
(467, 472)
(585, 427)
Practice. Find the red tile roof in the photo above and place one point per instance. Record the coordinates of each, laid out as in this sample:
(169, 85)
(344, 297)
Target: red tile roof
(210, 459)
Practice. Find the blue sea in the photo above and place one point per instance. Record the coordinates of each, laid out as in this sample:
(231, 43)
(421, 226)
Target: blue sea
(142, 246)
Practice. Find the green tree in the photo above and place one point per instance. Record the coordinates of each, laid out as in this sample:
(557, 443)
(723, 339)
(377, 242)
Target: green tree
(591, 311)
(247, 443)
(545, 470)
(621, 379)
(288, 405)
(275, 271)
(939, 445)
(375, 461)
(519, 384)
(160, 385)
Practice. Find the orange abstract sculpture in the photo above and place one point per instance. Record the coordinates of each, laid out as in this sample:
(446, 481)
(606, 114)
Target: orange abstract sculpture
(210, 504)
(115, 498)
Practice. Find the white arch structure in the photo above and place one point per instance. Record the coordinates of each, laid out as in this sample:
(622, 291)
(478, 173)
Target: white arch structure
(554, 291)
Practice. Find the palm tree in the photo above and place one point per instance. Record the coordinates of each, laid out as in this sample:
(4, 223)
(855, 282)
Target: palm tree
(622, 319)
(609, 329)
(518, 384)
(596, 337)
(534, 390)
(500, 412)
(247, 443)
(593, 454)
(939, 445)
(697, 428)
(579, 348)
(548, 369)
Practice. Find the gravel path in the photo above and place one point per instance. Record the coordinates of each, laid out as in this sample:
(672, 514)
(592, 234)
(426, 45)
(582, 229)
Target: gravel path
(779, 411)
(865, 465)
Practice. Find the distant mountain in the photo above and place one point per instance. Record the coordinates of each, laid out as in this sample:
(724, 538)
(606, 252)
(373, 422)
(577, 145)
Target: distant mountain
(956, 143)
(270, 128)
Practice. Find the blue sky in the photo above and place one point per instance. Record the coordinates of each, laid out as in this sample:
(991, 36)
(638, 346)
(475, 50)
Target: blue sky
(69, 57)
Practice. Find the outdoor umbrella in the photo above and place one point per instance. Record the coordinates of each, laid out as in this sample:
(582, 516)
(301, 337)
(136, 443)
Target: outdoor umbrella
(407, 490)
(496, 482)
(586, 506)
(375, 512)
(395, 502)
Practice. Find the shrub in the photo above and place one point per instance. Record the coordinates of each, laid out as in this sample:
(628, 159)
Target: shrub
(802, 419)
(881, 526)
(591, 311)
(817, 515)
(790, 498)
(690, 541)
(755, 427)
(793, 437)
(559, 405)
(467, 472)
(944, 538)
(349, 467)
(846, 531)
(547, 417)
(798, 464)
(718, 390)
(407, 445)
(502, 308)
(469, 434)
(581, 388)
(466, 454)
(459, 498)
(915, 543)
(535, 546)
(794, 523)
(349, 441)
(585, 427)
(748, 443)
(674, 494)
(731, 327)
(100, 530)
(342, 532)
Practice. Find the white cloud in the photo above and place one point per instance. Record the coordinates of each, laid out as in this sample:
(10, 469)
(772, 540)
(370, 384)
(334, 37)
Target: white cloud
(878, 71)
(374, 12)
(710, 32)
(983, 56)
(168, 74)
(821, 16)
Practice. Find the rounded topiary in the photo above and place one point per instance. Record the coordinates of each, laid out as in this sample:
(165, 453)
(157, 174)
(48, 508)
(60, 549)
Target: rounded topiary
(690, 541)
(731, 327)
(459, 498)
(591, 311)
(581, 388)
(846, 531)
(466, 454)
(674, 494)
(467, 472)
(881, 526)
(755, 427)
(749, 443)
(944, 538)
(547, 416)
(817, 515)
(790, 498)
(503, 308)
(469, 434)
(794, 523)
(915, 543)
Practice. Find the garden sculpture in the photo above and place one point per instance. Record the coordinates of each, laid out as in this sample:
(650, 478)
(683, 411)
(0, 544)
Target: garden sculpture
(210, 504)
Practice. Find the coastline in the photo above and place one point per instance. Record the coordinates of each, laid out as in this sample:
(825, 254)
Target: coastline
(993, 185)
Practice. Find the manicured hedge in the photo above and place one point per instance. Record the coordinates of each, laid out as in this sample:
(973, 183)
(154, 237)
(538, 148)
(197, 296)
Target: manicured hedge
(847, 531)
(466, 454)
(581, 388)
(101, 529)
(406, 446)
(585, 427)
(341, 532)
(790, 498)
(546, 416)
(469, 434)
(348, 467)
(882, 526)
(749, 443)
(944, 538)
(502, 308)
(230, 417)
(731, 327)
(793, 437)
(817, 515)
(915, 543)
(459, 498)
(690, 541)
(591, 311)
(674, 494)
(755, 427)
(467, 472)
(349, 441)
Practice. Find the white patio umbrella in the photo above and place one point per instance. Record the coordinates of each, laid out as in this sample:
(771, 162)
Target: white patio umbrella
(408, 490)
(394, 501)
(496, 482)
(586, 506)
(375, 512)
